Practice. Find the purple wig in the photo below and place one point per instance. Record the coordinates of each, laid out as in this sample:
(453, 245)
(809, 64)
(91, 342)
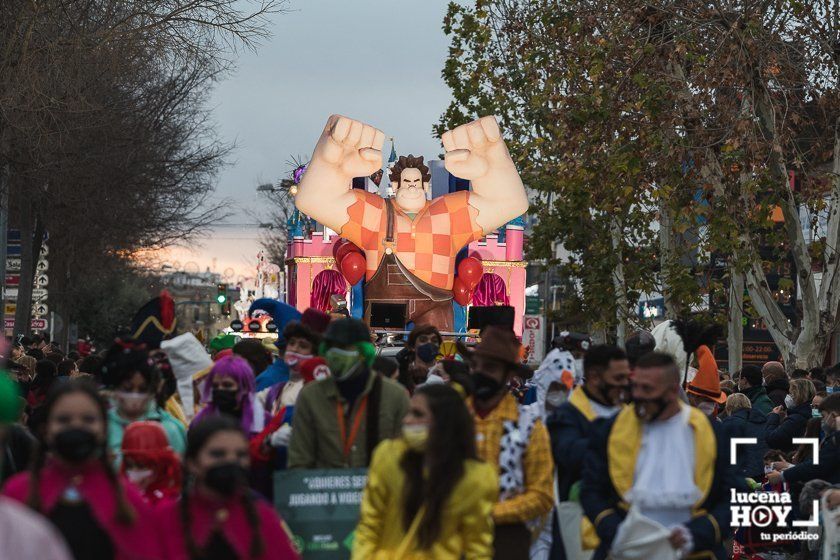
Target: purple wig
(238, 369)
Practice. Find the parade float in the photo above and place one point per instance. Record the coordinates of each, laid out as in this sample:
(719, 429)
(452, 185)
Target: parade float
(453, 261)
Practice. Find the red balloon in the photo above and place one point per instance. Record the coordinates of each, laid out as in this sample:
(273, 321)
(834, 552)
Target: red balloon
(463, 295)
(340, 242)
(469, 271)
(345, 250)
(353, 267)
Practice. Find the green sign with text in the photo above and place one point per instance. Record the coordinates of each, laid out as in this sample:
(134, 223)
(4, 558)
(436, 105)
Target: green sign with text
(533, 305)
(321, 507)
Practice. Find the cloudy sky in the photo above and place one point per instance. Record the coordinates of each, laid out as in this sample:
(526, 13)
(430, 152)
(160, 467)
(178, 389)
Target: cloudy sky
(375, 60)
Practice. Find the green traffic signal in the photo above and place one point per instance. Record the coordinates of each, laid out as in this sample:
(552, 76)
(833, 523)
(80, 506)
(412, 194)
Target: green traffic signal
(221, 298)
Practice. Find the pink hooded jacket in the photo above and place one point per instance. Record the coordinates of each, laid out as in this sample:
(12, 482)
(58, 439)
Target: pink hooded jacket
(138, 541)
(230, 517)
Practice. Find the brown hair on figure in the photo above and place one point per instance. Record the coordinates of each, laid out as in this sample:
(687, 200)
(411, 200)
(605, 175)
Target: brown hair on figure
(409, 162)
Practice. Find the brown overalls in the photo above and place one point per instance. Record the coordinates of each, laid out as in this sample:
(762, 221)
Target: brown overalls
(394, 283)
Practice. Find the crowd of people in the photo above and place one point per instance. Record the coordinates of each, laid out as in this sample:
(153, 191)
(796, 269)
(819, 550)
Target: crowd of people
(602, 452)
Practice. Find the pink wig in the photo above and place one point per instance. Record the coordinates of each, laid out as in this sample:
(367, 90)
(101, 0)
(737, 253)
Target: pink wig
(237, 368)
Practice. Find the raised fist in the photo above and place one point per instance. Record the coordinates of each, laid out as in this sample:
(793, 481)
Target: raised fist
(476, 149)
(351, 147)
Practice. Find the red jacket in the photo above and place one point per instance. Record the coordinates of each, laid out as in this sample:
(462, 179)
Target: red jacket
(138, 541)
(230, 517)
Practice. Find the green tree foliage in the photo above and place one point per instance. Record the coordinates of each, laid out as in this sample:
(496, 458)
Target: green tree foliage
(685, 113)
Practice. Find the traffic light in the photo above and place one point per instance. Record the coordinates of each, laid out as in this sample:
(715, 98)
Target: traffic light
(221, 294)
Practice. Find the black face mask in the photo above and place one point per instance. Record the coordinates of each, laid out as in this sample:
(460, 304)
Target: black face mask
(226, 478)
(653, 407)
(606, 392)
(75, 445)
(485, 386)
(427, 352)
(226, 400)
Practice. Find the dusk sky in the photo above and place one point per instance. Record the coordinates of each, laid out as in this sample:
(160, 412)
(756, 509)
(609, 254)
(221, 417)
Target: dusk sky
(374, 60)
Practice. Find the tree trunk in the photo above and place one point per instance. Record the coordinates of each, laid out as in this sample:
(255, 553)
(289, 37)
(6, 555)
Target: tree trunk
(667, 245)
(619, 284)
(23, 312)
(735, 335)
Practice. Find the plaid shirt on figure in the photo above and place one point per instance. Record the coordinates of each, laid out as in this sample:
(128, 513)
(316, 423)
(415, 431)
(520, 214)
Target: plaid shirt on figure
(426, 245)
(537, 497)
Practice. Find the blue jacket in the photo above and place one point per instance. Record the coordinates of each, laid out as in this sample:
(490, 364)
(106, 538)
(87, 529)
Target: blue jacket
(828, 468)
(570, 432)
(747, 422)
(778, 434)
(603, 505)
(278, 372)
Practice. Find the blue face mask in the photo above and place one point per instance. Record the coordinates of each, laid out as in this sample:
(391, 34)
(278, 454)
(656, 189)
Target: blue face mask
(815, 413)
(829, 390)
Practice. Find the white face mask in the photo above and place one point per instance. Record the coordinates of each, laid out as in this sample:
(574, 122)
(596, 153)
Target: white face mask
(133, 403)
(555, 398)
(579, 369)
(707, 407)
(789, 402)
(137, 476)
(294, 359)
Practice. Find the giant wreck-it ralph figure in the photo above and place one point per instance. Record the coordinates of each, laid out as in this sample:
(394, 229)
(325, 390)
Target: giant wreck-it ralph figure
(411, 243)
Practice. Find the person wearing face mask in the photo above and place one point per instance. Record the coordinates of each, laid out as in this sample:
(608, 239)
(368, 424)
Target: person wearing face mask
(832, 379)
(229, 390)
(552, 382)
(606, 374)
(23, 533)
(828, 468)
(133, 380)
(278, 372)
(664, 462)
(704, 390)
(301, 343)
(751, 383)
(340, 419)
(149, 463)
(270, 448)
(790, 421)
(513, 440)
(742, 421)
(427, 495)
(217, 516)
(72, 483)
(419, 355)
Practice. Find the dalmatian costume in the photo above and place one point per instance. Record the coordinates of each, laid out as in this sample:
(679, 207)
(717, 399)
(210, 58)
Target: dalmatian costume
(558, 365)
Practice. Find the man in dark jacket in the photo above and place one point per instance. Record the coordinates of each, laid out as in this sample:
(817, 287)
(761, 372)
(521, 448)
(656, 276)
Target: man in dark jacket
(606, 374)
(639, 441)
(743, 421)
(751, 383)
(828, 467)
(776, 382)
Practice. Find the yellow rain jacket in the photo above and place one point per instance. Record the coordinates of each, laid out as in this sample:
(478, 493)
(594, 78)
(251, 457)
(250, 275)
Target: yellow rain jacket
(466, 524)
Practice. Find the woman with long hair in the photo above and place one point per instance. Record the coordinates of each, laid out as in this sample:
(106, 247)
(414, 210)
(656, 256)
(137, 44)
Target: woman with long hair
(427, 495)
(72, 483)
(217, 516)
(229, 389)
(787, 422)
(132, 378)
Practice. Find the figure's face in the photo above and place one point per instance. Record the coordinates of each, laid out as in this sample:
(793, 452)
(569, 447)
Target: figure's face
(411, 192)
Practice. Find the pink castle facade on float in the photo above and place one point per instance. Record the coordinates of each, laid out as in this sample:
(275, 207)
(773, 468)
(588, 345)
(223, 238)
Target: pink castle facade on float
(310, 266)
